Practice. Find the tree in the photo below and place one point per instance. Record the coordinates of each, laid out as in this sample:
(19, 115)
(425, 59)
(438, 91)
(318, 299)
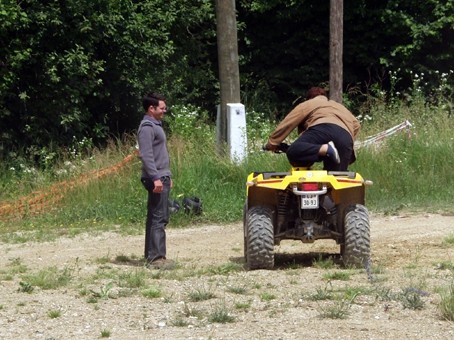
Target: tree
(336, 49)
(229, 74)
(77, 69)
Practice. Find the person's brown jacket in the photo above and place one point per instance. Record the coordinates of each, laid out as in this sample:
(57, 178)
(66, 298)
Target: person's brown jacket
(315, 111)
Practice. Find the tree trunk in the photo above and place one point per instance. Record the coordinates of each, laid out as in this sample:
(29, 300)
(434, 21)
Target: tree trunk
(229, 74)
(335, 49)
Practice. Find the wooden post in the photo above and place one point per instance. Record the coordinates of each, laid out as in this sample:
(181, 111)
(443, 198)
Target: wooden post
(336, 28)
(229, 74)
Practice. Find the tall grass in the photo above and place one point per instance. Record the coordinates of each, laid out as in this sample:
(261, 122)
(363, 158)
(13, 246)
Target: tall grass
(410, 170)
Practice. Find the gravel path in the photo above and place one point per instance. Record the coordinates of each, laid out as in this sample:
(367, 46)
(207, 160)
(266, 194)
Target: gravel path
(209, 296)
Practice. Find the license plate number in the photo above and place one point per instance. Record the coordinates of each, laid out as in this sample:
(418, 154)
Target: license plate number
(309, 201)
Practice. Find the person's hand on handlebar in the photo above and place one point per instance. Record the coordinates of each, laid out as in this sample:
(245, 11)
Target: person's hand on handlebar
(271, 147)
(282, 147)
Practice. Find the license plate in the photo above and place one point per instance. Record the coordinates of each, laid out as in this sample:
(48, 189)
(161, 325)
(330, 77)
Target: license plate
(309, 201)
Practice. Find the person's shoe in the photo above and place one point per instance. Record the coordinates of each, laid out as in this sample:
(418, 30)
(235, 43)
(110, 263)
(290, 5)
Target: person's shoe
(154, 262)
(332, 152)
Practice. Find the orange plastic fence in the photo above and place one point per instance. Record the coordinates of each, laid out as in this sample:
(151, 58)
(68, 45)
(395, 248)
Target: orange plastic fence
(42, 200)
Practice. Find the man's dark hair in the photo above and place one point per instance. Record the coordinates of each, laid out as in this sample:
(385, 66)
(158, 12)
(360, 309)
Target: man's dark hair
(152, 99)
(314, 92)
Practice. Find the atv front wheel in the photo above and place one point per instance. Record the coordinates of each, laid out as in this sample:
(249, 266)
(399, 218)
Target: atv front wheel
(245, 209)
(259, 238)
(356, 248)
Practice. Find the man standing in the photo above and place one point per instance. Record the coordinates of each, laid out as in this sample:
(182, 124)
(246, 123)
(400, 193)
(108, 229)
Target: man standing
(327, 133)
(156, 177)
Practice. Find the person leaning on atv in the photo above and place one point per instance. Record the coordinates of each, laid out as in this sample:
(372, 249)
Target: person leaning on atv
(326, 129)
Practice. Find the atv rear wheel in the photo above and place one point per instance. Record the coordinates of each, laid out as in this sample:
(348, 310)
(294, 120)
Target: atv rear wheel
(356, 248)
(259, 238)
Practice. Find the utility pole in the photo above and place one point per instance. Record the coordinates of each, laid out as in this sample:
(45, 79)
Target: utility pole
(336, 29)
(229, 74)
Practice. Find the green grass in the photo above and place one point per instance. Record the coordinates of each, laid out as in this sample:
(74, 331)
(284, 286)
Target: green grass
(221, 314)
(201, 294)
(151, 292)
(178, 321)
(325, 293)
(411, 298)
(338, 309)
(237, 290)
(337, 275)
(243, 305)
(133, 279)
(411, 171)
(444, 265)
(449, 240)
(25, 287)
(49, 278)
(105, 333)
(447, 303)
(104, 291)
(225, 269)
(266, 296)
(323, 263)
(54, 313)
(14, 267)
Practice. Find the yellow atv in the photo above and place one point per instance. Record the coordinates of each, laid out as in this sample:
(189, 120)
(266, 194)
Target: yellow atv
(307, 205)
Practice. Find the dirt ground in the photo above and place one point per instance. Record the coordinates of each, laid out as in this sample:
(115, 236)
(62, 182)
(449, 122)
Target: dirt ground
(408, 252)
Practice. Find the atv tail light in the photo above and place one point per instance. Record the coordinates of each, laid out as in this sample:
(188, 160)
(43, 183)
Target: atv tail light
(308, 186)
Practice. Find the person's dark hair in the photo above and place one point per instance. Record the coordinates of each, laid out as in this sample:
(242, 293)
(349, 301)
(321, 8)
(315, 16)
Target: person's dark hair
(314, 92)
(152, 99)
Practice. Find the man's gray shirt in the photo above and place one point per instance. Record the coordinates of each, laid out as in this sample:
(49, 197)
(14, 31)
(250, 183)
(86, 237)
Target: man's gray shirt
(153, 149)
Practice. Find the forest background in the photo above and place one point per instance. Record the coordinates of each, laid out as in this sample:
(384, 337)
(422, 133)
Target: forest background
(74, 71)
